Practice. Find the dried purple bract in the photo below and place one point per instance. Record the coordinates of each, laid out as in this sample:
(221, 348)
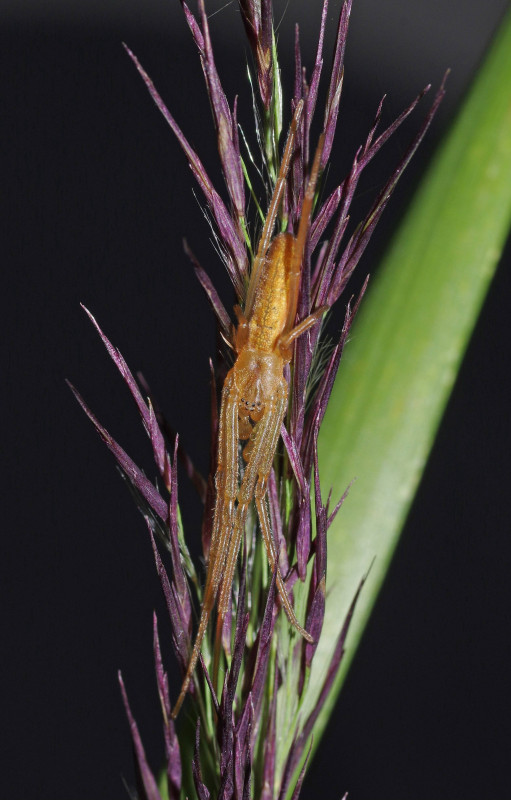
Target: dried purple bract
(247, 734)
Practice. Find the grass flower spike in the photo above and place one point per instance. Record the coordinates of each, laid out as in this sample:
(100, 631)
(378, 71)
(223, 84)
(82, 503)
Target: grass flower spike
(244, 731)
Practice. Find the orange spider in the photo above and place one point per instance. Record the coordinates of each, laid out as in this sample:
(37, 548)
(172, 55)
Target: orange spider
(254, 402)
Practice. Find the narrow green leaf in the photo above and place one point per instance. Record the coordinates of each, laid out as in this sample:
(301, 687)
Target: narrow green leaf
(415, 323)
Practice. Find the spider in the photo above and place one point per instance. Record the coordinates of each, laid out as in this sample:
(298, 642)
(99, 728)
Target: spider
(254, 401)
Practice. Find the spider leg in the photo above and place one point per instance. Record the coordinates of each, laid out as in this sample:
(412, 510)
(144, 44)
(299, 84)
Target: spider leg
(253, 487)
(265, 442)
(287, 339)
(269, 223)
(226, 480)
(260, 499)
(260, 494)
(295, 271)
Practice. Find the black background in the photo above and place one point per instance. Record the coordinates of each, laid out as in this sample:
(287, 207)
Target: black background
(96, 198)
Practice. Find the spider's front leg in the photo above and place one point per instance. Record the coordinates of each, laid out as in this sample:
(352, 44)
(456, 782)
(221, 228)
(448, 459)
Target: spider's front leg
(260, 495)
(254, 487)
(272, 555)
(226, 482)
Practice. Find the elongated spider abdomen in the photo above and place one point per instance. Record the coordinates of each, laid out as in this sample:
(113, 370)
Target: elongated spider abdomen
(269, 313)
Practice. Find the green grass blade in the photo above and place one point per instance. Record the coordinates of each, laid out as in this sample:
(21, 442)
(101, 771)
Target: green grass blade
(414, 325)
